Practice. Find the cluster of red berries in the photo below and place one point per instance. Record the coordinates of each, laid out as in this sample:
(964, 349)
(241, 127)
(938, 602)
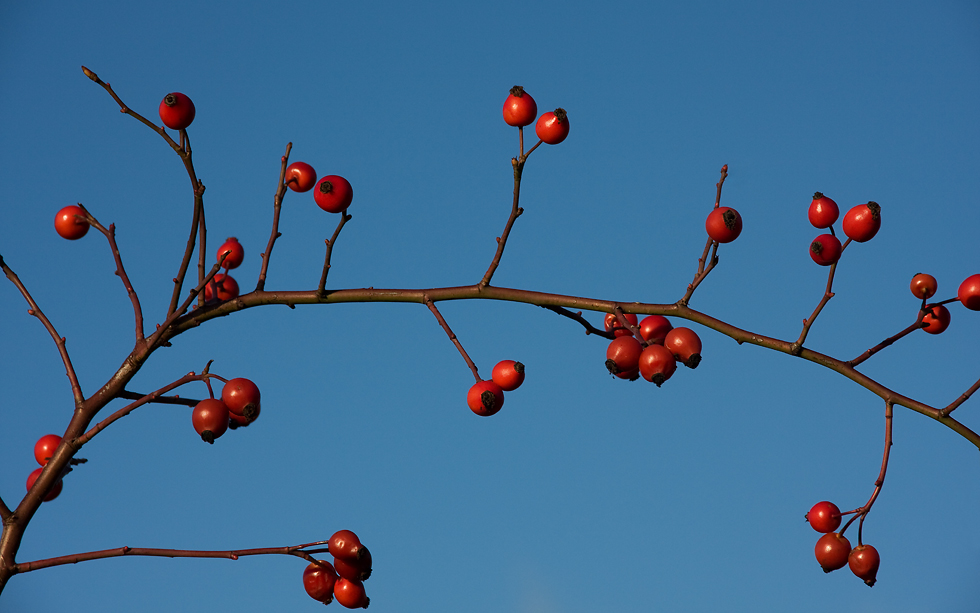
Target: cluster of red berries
(344, 579)
(650, 349)
(520, 110)
(44, 449)
(833, 550)
(486, 397)
(223, 286)
(238, 406)
(860, 224)
(936, 318)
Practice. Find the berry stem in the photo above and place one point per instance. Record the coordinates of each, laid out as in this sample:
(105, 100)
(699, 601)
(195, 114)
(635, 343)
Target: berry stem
(861, 512)
(705, 265)
(452, 336)
(276, 208)
(891, 339)
(344, 218)
(515, 212)
(808, 323)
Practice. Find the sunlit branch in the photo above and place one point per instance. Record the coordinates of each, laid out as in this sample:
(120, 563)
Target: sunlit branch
(276, 208)
(344, 218)
(35, 310)
(515, 212)
(110, 235)
(452, 336)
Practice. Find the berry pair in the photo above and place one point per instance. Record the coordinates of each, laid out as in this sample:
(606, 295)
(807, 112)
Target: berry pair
(520, 110)
(44, 449)
(333, 193)
(238, 406)
(486, 397)
(344, 578)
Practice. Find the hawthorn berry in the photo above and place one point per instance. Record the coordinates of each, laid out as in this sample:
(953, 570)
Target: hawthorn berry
(969, 292)
(824, 516)
(623, 355)
(319, 579)
(333, 194)
(923, 286)
(210, 419)
(612, 324)
(864, 561)
(485, 398)
(552, 127)
(685, 344)
(345, 545)
(55, 491)
(350, 594)
(508, 374)
(358, 570)
(224, 286)
(862, 222)
(45, 447)
(176, 111)
(832, 551)
(823, 211)
(519, 107)
(242, 397)
(657, 364)
(723, 224)
(235, 251)
(825, 249)
(300, 177)
(70, 223)
(936, 319)
(654, 328)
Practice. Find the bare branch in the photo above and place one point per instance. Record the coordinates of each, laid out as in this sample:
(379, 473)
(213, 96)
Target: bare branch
(827, 295)
(705, 264)
(862, 512)
(276, 208)
(344, 218)
(888, 341)
(515, 212)
(589, 328)
(963, 398)
(452, 336)
(188, 402)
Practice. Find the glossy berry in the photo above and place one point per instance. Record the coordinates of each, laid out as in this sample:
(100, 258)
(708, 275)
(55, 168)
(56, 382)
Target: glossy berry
(345, 545)
(333, 194)
(864, 561)
(240, 421)
(54, 490)
(552, 128)
(923, 286)
(350, 594)
(235, 251)
(969, 292)
(358, 570)
(319, 579)
(176, 111)
(508, 374)
(723, 224)
(685, 344)
(210, 419)
(485, 398)
(823, 211)
(824, 517)
(623, 355)
(300, 177)
(612, 324)
(654, 329)
(862, 222)
(45, 447)
(225, 286)
(67, 225)
(657, 364)
(825, 249)
(832, 551)
(242, 397)
(519, 107)
(936, 319)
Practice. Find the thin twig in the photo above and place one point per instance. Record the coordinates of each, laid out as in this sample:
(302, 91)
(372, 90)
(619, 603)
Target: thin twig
(344, 218)
(452, 337)
(188, 402)
(515, 212)
(155, 339)
(888, 341)
(276, 208)
(589, 328)
(706, 264)
(110, 235)
(945, 411)
(827, 295)
(862, 511)
(35, 310)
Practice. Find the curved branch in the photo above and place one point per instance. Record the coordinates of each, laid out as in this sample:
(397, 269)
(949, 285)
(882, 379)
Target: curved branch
(589, 328)
(344, 218)
(963, 398)
(706, 265)
(110, 235)
(515, 212)
(827, 295)
(276, 208)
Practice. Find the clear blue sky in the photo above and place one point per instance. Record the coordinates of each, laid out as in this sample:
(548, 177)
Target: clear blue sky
(584, 493)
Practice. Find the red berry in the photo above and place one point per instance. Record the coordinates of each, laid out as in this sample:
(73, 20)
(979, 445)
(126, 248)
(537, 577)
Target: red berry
(210, 419)
(519, 107)
(235, 251)
(654, 329)
(485, 398)
(923, 286)
(657, 364)
(508, 374)
(623, 355)
(176, 111)
(723, 224)
(242, 397)
(864, 561)
(862, 222)
(350, 594)
(825, 249)
(345, 545)
(300, 177)
(45, 447)
(612, 324)
(333, 194)
(823, 211)
(54, 490)
(936, 319)
(824, 517)
(319, 579)
(358, 570)
(832, 550)
(969, 292)
(67, 225)
(685, 344)
(225, 286)
(552, 128)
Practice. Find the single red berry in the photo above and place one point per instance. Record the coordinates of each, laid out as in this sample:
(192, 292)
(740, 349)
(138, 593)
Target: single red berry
(225, 286)
(319, 579)
(823, 211)
(552, 128)
(345, 545)
(623, 355)
(350, 594)
(333, 194)
(45, 447)
(235, 251)
(519, 107)
(176, 111)
(824, 517)
(508, 374)
(657, 364)
(240, 421)
(936, 319)
(485, 398)
(210, 419)
(242, 397)
(923, 286)
(685, 344)
(825, 249)
(612, 324)
(969, 292)
(358, 570)
(70, 223)
(300, 177)
(654, 329)
(832, 551)
(55, 491)
(723, 224)
(862, 222)
(864, 561)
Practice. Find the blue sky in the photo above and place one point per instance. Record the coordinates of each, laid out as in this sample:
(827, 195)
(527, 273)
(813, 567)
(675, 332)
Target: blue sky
(584, 493)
